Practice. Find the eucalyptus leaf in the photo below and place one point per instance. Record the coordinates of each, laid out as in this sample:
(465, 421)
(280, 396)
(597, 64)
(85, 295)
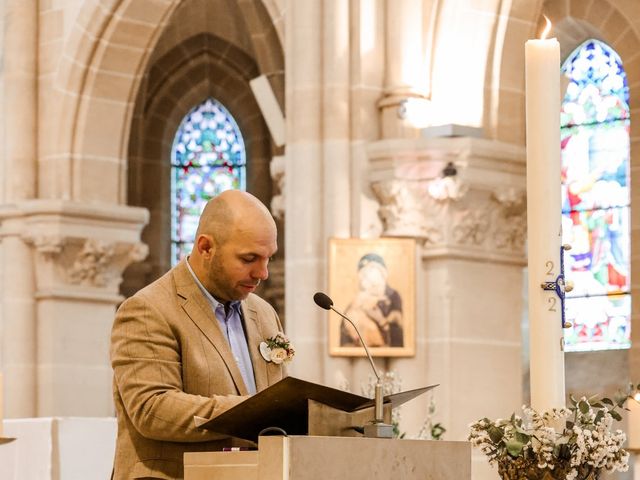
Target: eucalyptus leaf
(599, 416)
(514, 448)
(616, 415)
(608, 401)
(495, 433)
(522, 437)
(583, 406)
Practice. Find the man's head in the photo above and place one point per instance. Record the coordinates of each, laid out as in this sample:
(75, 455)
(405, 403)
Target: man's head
(235, 240)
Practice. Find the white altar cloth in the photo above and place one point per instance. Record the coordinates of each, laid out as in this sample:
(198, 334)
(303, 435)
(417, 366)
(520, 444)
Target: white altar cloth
(69, 448)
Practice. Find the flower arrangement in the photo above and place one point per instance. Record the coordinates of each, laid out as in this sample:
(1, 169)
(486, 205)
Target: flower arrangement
(574, 443)
(277, 349)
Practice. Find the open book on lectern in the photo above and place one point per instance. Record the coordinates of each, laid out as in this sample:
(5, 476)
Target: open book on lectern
(285, 405)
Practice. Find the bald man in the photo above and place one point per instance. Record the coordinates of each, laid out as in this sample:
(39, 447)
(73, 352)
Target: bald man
(188, 344)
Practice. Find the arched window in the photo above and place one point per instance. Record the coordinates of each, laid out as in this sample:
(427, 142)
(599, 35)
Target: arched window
(207, 158)
(595, 190)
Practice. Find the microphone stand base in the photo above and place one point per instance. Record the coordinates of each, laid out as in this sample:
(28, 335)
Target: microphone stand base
(378, 430)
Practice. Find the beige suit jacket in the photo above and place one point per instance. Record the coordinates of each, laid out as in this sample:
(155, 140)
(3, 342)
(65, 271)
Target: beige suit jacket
(171, 362)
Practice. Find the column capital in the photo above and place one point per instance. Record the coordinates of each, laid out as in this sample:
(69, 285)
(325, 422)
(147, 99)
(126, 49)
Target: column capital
(460, 197)
(80, 251)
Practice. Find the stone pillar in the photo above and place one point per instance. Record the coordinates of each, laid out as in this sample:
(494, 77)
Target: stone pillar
(304, 235)
(80, 252)
(17, 321)
(405, 72)
(471, 225)
(319, 182)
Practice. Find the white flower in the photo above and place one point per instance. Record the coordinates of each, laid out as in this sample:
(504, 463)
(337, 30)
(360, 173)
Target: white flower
(278, 355)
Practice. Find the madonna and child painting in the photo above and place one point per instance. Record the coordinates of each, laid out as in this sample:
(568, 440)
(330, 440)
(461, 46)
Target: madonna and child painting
(372, 282)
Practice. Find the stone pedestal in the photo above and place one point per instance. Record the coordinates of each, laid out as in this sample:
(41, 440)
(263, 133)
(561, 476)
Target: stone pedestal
(464, 200)
(319, 458)
(76, 253)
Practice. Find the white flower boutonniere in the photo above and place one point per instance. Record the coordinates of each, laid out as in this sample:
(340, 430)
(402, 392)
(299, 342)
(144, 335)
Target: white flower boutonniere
(277, 349)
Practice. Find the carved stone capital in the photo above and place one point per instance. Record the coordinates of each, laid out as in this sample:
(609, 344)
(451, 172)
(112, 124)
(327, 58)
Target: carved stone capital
(510, 219)
(476, 210)
(79, 251)
(401, 210)
(46, 245)
(87, 262)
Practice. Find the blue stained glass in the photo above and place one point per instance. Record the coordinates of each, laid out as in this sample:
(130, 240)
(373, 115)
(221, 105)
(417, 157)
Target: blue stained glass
(595, 121)
(207, 158)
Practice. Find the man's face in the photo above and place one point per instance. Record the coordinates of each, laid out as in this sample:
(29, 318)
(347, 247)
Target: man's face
(239, 264)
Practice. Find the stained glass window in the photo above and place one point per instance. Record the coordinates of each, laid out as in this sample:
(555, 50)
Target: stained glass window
(207, 158)
(595, 191)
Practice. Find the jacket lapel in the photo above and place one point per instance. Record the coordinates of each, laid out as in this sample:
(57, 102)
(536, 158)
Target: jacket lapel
(254, 338)
(199, 310)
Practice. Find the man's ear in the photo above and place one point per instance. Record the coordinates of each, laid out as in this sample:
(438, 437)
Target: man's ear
(205, 245)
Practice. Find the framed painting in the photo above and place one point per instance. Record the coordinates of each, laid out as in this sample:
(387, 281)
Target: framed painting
(372, 281)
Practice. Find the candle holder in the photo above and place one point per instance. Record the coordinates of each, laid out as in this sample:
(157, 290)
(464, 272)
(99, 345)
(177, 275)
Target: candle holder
(560, 286)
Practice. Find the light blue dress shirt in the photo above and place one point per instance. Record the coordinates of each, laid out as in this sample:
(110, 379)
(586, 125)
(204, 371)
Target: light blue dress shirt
(230, 321)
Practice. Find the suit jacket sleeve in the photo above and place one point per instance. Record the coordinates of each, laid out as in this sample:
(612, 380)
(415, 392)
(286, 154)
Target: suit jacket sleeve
(145, 355)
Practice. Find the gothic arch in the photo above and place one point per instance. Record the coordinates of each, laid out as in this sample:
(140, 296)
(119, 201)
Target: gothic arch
(212, 68)
(96, 83)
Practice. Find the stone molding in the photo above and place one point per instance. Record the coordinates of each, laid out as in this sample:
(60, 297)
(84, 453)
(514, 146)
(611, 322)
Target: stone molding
(80, 252)
(479, 213)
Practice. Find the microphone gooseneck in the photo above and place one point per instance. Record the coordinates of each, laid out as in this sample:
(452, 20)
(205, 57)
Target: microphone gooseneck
(324, 301)
(377, 428)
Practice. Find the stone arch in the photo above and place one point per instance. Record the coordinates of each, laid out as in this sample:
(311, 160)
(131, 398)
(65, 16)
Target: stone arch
(613, 22)
(201, 66)
(96, 83)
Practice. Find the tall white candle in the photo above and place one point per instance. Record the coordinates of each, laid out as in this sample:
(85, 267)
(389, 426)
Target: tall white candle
(546, 347)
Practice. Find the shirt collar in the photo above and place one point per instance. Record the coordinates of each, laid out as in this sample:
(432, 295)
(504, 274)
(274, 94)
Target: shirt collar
(212, 300)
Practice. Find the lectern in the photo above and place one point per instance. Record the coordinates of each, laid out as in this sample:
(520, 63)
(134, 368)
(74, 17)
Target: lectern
(323, 440)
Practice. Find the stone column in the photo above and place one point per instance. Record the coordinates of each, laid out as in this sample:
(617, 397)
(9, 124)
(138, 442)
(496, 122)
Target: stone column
(405, 72)
(471, 227)
(17, 332)
(304, 235)
(80, 252)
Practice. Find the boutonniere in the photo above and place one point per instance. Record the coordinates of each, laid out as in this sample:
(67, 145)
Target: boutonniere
(277, 349)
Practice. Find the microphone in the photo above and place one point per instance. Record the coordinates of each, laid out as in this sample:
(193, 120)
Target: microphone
(377, 428)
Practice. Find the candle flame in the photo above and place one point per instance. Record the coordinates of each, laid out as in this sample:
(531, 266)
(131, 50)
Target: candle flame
(547, 29)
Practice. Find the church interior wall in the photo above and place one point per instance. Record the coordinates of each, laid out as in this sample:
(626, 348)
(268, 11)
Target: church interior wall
(111, 81)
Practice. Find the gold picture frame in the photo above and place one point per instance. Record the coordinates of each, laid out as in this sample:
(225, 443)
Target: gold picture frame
(372, 281)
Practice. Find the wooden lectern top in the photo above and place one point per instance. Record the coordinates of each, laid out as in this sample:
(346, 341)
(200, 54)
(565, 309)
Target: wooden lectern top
(285, 405)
